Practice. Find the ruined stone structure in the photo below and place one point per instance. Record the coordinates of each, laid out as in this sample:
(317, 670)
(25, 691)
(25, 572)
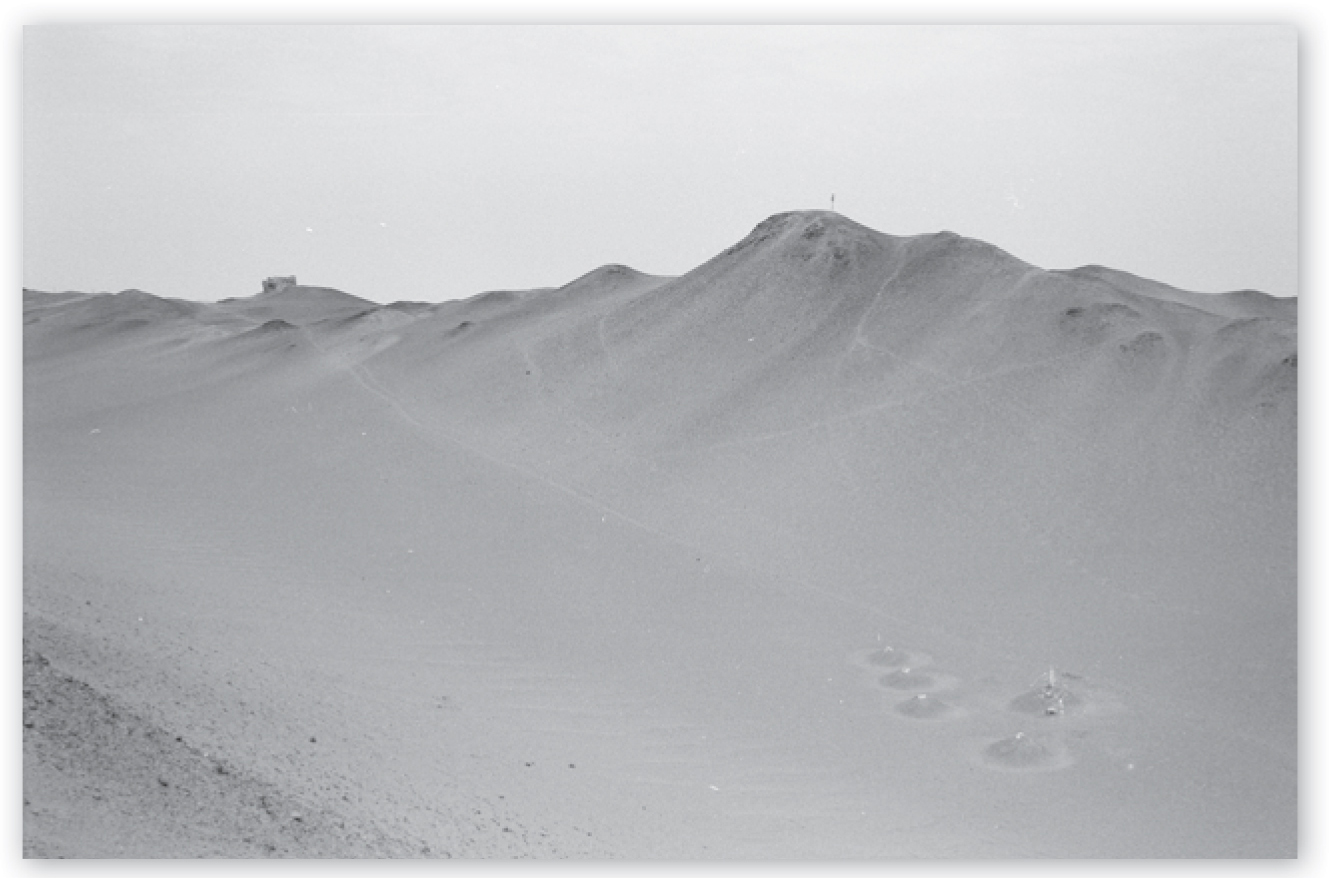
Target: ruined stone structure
(273, 284)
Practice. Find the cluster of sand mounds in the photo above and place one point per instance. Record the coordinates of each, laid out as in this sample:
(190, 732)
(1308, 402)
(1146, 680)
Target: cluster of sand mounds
(972, 706)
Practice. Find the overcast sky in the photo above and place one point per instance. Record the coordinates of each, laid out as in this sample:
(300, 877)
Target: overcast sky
(434, 162)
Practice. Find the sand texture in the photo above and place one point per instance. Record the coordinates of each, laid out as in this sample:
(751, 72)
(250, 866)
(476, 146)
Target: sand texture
(841, 545)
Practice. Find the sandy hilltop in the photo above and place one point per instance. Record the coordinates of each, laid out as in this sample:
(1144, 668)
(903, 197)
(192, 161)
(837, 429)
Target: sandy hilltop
(840, 545)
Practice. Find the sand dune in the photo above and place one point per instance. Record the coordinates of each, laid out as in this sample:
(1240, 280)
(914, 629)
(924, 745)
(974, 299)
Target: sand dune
(770, 559)
(296, 303)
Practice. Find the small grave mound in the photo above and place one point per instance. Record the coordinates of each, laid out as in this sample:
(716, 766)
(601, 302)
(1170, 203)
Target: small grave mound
(926, 706)
(1021, 752)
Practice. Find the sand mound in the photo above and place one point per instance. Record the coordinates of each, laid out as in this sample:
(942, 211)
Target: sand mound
(1048, 701)
(1023, 752)
(928, 707)
(887, 657)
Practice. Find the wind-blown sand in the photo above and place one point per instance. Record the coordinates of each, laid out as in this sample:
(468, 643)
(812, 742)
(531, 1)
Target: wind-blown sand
(771, 559)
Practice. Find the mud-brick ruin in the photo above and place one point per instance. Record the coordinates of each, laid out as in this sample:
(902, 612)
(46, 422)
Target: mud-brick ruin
(274, 284)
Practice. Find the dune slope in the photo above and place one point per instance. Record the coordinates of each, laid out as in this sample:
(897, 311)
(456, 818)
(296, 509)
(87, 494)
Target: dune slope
(840, 545)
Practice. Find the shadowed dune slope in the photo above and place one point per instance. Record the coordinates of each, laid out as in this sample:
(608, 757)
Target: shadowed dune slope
(602, 569)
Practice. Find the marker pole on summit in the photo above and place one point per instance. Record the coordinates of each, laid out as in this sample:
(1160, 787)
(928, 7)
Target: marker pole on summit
(832, 201)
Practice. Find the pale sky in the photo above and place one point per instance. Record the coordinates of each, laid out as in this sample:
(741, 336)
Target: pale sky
(436, 162)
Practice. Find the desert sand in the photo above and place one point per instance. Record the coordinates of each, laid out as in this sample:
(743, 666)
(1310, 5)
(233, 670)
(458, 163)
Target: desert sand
(840, 545)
